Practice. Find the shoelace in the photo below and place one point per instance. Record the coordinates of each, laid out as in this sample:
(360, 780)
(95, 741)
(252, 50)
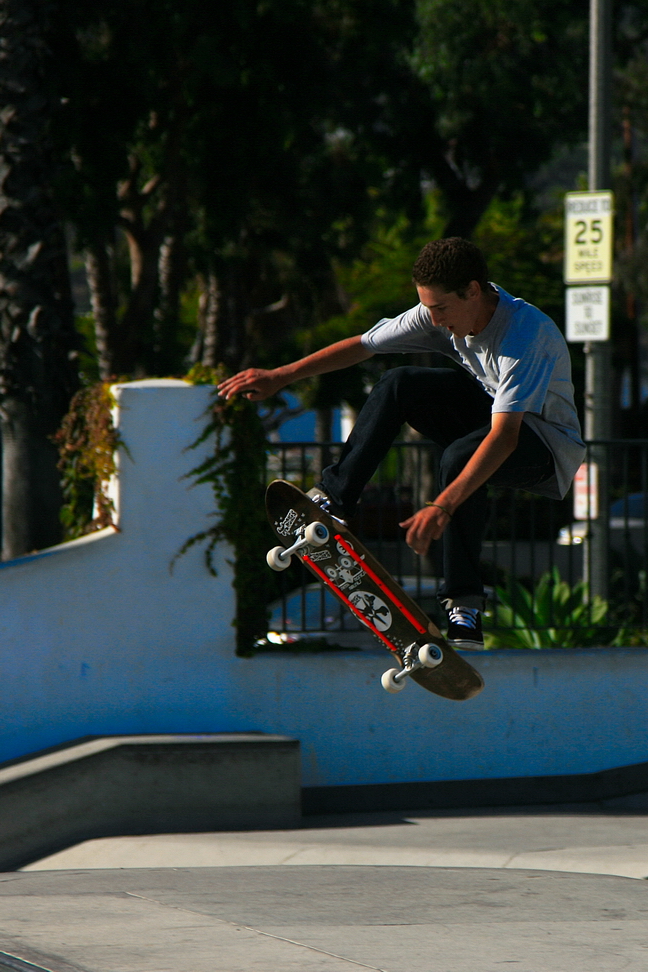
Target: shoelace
(466, 616)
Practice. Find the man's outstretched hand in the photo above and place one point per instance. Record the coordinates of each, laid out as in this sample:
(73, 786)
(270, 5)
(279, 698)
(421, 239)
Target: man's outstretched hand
(257, 384)
(424, 527)
(254, 383)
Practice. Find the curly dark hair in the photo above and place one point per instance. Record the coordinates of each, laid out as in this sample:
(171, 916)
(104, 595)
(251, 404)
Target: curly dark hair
(451, 264)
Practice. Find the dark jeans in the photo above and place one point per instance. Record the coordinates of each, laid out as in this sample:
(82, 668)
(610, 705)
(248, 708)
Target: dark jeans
(453, 410)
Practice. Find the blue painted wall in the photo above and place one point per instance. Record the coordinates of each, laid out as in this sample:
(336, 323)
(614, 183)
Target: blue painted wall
(542, 713)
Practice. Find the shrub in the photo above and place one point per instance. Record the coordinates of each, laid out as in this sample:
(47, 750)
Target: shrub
(554, 615)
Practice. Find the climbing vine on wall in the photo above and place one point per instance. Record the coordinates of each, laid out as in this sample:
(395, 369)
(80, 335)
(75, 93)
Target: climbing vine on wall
(236, 473)
(87, 443)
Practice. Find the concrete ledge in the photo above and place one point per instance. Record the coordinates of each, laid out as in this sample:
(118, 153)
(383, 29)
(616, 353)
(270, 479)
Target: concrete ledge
(543, 714)
(124, 785)
(450, 794)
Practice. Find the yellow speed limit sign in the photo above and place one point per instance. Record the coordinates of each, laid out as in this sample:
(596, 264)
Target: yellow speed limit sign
(589, 237)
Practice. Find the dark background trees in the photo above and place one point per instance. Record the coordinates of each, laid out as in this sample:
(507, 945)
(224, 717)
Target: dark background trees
(244, 181)
(508, 83)
(233, 148)
(38, 341)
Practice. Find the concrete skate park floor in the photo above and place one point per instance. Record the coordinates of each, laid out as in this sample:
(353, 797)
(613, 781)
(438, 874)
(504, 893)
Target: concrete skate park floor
(538, 889)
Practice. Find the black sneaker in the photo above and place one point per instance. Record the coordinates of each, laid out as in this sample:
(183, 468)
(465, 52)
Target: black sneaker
(465, 628)
(319, 497)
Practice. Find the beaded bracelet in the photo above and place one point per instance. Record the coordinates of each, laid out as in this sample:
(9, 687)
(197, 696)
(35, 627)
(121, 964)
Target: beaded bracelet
(447, 512)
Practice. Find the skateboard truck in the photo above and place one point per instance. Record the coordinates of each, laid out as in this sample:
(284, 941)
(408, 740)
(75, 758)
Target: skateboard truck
(414, 658)
(314, 534)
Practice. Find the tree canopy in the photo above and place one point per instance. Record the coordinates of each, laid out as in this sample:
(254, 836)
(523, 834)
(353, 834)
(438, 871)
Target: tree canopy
(244, 180)
(238, 152)
(507, 82)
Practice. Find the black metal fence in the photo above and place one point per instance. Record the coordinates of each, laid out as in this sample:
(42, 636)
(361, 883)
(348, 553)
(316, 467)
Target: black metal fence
(552, 579)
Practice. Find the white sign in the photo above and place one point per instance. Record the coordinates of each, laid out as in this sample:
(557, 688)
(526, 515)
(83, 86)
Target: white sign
(586, 492)
(589, 237)
(587, 313)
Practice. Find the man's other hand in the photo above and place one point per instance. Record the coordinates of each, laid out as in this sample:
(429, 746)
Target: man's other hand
(424, 527)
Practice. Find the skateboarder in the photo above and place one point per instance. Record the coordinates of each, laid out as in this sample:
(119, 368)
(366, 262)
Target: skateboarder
(506, 416)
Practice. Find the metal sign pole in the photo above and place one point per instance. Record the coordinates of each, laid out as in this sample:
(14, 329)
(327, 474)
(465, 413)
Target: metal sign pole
(597, 353)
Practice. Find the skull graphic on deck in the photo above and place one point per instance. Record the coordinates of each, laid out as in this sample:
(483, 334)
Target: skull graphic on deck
(372, 608)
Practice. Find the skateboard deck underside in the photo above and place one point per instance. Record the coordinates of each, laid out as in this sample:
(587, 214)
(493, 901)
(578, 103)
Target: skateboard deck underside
(363, 585)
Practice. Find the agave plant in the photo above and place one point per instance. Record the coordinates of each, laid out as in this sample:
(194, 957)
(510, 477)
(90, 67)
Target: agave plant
(554, 615)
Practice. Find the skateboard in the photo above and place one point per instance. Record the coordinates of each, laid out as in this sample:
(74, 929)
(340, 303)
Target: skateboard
(336, 557)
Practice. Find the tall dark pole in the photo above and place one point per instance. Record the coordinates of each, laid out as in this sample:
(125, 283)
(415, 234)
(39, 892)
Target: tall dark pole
(597, 353)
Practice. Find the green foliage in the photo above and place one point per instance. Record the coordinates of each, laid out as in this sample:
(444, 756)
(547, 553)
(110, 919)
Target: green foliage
(524, 251)
(200, 374)
(87, 442)
(88, 365)
(554, 615)
(630, 638)
(505, 79)
(378, 283)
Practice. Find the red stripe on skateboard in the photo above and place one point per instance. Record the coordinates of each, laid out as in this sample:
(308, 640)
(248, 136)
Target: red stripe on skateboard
(383, 587)
(352, 607)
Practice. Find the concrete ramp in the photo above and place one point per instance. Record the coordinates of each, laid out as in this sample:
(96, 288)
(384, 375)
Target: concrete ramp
(119, 785)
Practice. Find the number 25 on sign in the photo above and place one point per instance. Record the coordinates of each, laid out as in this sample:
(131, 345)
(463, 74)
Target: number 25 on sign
(589, 234)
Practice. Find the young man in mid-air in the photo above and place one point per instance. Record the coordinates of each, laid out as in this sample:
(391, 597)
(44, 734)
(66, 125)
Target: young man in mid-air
(506, 417)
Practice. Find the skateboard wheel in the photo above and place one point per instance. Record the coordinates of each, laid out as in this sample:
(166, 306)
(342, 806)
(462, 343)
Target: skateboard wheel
(316, 534)
(276, 558)
(388, 683)
(430, 656)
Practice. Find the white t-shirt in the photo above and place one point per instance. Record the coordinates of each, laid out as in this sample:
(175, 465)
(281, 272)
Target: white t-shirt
(522, 361)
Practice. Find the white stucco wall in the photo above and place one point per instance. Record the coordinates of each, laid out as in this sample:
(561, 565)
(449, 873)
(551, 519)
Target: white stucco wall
(97, 637)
